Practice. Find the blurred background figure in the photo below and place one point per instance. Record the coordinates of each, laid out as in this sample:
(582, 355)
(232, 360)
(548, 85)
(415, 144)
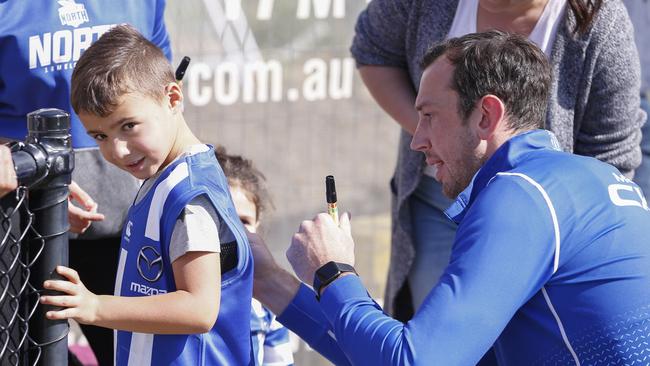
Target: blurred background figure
(271, 344)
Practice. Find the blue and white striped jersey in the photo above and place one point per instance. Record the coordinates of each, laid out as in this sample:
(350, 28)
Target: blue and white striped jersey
(271, 343)
(551, 265)
(145, 269)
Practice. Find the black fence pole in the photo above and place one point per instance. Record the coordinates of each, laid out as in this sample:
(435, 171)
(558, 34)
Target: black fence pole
(47, 171)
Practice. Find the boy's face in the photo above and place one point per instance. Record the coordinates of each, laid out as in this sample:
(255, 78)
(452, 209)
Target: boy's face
(138, 136)
(246, 209)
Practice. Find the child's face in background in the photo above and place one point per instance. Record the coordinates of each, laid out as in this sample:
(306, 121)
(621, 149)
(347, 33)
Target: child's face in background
(137, 137)
(246, 209)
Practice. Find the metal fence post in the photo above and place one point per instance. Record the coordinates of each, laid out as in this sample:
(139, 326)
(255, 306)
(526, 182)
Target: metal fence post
(49, 145)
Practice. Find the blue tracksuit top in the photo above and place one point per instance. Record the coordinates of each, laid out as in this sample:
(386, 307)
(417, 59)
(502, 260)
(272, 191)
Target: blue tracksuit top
(551, 264)
(41, 42)
(145, 269)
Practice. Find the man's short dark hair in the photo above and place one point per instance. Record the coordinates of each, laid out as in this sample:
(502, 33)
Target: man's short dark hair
(121, 61)
(502, 64)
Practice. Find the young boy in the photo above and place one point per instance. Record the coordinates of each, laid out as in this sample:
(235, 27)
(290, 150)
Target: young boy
(270, 338)
(171, 281)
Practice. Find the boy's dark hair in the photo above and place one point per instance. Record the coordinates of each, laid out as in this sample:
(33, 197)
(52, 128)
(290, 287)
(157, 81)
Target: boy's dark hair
(122, 61)
(241, 173)
(502, 64)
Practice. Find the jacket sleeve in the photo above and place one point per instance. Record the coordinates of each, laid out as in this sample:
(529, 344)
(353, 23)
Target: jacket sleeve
(499, 261)
(304, 317)
(160, 37)
(610, 129)
(380, 33)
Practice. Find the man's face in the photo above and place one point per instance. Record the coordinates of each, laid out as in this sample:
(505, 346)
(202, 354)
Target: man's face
(448, 142)
(245, 207)
(137, 137)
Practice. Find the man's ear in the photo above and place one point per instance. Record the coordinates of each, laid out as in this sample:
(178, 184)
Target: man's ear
(493, 113)
(174, 96)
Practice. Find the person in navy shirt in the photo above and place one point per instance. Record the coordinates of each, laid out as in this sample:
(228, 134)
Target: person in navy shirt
(551, 261)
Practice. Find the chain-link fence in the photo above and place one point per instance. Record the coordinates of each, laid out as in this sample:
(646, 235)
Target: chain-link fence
(33, 241)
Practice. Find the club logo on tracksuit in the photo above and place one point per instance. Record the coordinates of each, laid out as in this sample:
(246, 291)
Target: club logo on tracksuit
(72, 14)
(60, 49)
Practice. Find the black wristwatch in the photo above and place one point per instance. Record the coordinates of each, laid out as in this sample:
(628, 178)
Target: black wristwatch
(328, 273)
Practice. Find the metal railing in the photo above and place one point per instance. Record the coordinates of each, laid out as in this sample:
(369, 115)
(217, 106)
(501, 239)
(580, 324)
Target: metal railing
(34, 240)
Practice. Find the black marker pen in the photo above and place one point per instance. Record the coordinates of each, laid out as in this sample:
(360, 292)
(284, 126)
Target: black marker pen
(330, 195)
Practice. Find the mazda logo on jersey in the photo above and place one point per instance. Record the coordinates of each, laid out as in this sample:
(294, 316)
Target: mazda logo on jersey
(150, 264)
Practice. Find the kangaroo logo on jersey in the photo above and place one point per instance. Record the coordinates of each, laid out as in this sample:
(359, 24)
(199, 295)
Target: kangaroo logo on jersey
(150, 264)
(129, 225)
(72, 14)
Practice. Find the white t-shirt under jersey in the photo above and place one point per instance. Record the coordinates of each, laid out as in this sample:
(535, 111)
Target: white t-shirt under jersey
(198, 227)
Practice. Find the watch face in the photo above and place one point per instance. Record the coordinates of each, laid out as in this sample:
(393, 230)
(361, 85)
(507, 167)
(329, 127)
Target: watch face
(327, 271)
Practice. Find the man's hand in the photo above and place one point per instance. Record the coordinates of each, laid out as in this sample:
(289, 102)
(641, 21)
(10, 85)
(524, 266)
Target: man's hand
(318, 242)
(8, 181)
(81, 217)
(78, 302)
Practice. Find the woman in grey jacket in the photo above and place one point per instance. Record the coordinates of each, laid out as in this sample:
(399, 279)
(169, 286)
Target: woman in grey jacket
(593, 108)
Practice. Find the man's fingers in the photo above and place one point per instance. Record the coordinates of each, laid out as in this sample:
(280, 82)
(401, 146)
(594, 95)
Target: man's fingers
(344, 223)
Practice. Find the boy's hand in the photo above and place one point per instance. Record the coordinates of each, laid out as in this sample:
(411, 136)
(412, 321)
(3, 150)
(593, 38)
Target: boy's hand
(79, 303)
(81, 218)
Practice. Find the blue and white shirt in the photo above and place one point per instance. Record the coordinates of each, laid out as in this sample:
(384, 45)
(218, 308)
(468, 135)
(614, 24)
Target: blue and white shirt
(40, 43)
(551, 265)
(271, 343)
(145, 269)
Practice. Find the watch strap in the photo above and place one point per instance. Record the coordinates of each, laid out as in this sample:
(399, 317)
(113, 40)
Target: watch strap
(329, 272)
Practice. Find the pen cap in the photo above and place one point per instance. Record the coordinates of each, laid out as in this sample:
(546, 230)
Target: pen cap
(330, 189)
(180, 71)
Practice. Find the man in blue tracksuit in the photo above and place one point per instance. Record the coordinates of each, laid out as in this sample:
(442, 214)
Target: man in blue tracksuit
(551, 262)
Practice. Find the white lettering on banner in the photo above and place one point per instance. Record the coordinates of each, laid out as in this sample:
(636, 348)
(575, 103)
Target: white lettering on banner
(315, 85)
(636, 199)
(197, 94)
(262, 82)
(233, 9)
(264, 9)
(341, 74)
(62, 47)
(269, 78)
(321, 8)
(146, 290)
(226, 83)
